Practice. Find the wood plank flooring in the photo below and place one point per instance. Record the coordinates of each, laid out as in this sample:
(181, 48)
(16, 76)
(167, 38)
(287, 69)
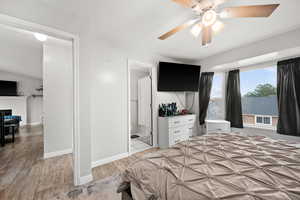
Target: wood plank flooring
(25, 175)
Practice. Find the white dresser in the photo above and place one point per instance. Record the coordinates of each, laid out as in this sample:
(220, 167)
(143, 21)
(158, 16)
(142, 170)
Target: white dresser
(172, 130)
(217, 126)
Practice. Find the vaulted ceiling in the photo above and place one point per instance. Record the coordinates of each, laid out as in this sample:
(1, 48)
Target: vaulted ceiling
(134, 25)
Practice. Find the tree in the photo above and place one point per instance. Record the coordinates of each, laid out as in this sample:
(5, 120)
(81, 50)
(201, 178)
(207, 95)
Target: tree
(262, 90)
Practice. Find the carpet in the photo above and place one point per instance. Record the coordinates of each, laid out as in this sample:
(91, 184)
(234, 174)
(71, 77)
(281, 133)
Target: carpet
(104, 189)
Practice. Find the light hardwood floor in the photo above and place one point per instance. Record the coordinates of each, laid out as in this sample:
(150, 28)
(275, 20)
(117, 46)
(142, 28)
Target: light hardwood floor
(25, 175)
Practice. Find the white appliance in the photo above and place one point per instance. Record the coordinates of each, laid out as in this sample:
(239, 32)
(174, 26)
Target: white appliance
(217, 126)
(172, 130)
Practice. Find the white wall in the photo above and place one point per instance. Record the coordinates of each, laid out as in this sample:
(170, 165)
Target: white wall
(274, 44)
(109, 105)
(58, 97)
(135, 75)
(26, 87)
(102, 77)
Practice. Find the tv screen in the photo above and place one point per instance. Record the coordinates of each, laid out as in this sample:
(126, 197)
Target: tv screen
(8, 88)
(176, 77)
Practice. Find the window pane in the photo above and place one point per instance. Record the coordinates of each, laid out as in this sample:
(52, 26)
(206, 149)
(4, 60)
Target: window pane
(217, 86)
(216, 108)
(267, 120)
(259, 120)
(258, 88)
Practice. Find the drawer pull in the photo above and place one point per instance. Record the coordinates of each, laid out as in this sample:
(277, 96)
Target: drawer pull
(190, 128)
(176, 131)
(191, 120)
(176, 122)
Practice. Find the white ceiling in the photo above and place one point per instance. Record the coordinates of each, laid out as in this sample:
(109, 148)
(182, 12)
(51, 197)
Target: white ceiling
(138, 23)
(20, 52)
(134, 25)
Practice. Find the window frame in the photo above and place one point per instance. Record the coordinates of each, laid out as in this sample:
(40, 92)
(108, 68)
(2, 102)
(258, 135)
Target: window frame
(263, 120)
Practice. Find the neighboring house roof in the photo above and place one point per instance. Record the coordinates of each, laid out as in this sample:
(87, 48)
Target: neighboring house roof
(260, 105)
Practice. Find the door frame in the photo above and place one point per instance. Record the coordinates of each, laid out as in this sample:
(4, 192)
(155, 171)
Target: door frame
(15, 23)
(133, 64)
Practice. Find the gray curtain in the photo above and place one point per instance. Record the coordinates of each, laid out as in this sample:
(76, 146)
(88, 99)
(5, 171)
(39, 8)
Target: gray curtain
(288, 92)
(205, 86)
(233, 100)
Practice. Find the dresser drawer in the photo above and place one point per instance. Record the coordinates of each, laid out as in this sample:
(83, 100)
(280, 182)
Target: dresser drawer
(182, 130)
(190, 119)
(176, 121)
(190, 131)
(180, 121)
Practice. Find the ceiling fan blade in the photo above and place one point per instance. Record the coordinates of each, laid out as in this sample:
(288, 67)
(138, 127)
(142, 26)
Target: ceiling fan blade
(219, 2)
(249, 11)
(178, 28)
(206, 35)
(185, 3)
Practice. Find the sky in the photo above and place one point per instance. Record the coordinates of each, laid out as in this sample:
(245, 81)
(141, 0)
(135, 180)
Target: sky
(249, 80)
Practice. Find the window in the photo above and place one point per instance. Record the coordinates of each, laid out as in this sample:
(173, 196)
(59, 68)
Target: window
(259, 120)
(259, 99)
(216, 107)
(264, 120)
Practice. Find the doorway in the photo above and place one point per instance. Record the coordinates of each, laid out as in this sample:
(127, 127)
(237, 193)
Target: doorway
(40, 32)
(141, 126)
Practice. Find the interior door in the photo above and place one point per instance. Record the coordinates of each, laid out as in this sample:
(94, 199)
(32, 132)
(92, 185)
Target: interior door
(145, 108)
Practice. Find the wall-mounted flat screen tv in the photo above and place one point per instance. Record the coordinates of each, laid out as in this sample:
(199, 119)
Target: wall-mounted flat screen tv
(8, 88)
(175, 77)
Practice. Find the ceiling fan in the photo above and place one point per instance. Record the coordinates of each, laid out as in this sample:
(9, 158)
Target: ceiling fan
(208, 21)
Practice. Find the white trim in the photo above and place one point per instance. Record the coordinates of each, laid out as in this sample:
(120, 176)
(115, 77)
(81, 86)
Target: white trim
(85, 179)
(57, 153)
(140, 150)
(109, 159)
(263, 116)
(33, 124)
(29, 26)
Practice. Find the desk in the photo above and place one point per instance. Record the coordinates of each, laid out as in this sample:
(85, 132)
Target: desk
(7, 122)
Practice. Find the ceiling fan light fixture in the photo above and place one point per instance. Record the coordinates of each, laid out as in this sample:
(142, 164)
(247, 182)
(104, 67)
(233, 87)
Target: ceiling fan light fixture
(209, 18)
(196, 30)
(217, 26)
(197, 8)
(224, 14)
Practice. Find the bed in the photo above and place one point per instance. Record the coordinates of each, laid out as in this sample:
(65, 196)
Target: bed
(217, 166)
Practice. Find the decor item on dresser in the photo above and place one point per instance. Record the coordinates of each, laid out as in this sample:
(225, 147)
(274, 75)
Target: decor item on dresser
(172, 130)
(233, 99)
(217, 126)
(205, 86)
(166, 110)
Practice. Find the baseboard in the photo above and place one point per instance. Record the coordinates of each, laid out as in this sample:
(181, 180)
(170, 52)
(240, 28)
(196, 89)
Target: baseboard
(34, 124)
(57, 153)
(109, 159)
(85, 179)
